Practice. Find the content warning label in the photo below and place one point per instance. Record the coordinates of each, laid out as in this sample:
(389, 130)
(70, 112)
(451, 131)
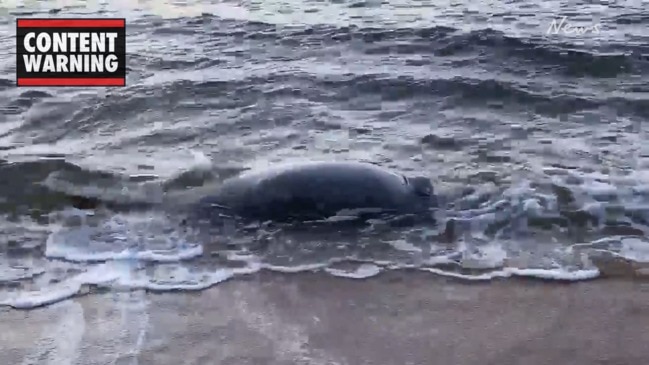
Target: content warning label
(71, 52)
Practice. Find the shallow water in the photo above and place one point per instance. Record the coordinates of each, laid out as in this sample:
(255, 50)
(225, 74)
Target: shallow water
(534, 141)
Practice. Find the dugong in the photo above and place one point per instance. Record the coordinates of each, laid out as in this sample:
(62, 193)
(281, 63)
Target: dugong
(315, 191)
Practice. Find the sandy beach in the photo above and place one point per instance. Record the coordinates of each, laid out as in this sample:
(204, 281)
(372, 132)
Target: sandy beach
(396, 318)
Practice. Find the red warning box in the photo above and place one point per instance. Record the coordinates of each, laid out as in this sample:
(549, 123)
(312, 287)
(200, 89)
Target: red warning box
(70, 52)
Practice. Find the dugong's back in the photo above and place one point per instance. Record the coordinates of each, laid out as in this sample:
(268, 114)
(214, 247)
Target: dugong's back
(315, 191)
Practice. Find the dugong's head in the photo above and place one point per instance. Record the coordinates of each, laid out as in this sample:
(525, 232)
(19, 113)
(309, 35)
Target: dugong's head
(422, 187)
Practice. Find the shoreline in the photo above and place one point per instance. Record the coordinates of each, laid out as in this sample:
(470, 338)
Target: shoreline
(614, 268)
(313, 318)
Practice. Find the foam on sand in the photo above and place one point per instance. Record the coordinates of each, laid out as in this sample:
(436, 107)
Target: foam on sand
(123, 276)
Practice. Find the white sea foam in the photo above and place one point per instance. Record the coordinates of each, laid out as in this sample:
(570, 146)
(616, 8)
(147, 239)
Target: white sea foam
(129, 275)
(361, 272)
(124, 276)
(59, 251)
(10, 272)
(403, 245)
(142, 238)
(57, 292)
(635, 249)
(549, 274)
(295, 268)
(485, 257)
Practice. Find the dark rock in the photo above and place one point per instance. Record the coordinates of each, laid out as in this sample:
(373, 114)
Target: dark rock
(579, 217)
(622, 230)
(441, 142)
(547, 222)
(361, 130)
(564, 195)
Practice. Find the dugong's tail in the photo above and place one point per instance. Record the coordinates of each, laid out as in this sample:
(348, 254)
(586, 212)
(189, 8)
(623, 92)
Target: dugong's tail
(166, 200)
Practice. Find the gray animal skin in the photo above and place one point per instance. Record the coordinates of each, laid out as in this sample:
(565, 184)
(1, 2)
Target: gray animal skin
(316, 191)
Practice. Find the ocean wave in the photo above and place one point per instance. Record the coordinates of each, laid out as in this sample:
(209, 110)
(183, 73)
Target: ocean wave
(534, 143)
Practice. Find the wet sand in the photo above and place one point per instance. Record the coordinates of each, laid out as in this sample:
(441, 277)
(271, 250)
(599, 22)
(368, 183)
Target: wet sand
(397, 318)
